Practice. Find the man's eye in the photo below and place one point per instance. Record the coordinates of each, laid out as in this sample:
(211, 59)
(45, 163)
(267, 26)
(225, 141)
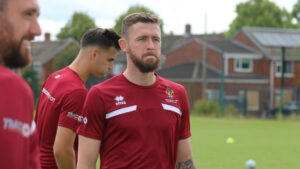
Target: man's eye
(29, 13)
(156, 39)
(142, 38)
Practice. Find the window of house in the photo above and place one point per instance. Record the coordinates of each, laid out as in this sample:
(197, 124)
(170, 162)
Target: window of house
(118, 67)
(288, 68)
(243, 65)
(213, 94)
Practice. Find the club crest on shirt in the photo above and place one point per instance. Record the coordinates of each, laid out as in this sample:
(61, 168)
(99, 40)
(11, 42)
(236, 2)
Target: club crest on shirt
(120, 100)
(170, 93)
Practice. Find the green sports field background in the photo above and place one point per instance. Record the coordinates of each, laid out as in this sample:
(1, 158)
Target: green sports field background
(273, 144)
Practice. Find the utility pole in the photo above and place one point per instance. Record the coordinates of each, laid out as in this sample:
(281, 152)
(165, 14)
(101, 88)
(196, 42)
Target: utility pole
(222, 86)
(204, 61)
(282, 80)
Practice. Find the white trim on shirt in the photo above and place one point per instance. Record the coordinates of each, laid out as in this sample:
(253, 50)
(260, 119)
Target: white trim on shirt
(121, 111)
(171, 108)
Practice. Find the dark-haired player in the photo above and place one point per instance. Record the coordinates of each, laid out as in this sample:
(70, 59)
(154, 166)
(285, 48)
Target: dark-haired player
(63, 94)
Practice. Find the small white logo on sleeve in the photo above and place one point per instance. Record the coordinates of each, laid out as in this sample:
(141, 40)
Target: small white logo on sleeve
(57, 76)
(78, 118)
(120, 100)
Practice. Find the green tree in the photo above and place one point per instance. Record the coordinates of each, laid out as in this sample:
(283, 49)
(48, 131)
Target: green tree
(65, 58)
(134, 9)
(296, 11)
(32, 78)
(260, 13)
(76, 27)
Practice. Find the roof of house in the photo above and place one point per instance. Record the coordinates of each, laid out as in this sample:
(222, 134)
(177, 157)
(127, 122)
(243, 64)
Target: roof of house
(192, 72)
(231, 46)
(171, 42)
(43, 51)
(271, 41)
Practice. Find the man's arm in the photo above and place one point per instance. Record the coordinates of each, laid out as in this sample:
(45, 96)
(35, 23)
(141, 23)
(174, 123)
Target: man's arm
(88, 151)
(64, 148)
(184, 155)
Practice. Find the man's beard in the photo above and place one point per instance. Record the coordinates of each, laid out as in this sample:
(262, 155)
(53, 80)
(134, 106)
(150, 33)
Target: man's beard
(15, 58)
(11, 51)
(144, 67)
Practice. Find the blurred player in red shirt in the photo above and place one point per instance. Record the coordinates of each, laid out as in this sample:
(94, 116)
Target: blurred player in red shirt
(18, 137)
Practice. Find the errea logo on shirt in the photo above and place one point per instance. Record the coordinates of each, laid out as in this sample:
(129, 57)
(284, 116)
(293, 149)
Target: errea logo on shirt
(120, 100)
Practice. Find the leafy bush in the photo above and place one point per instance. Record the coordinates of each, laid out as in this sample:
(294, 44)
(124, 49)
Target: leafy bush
(32, 78)
(65, 58)
(294, 116)
(207, 108)
(231, 111)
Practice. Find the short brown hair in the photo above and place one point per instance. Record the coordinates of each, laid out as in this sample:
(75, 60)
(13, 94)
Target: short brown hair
(104, 38)
(134, 18)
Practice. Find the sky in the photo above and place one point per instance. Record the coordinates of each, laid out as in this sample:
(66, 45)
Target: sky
(175, 13)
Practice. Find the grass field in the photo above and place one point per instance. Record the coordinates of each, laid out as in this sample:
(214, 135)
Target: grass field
(272, 144)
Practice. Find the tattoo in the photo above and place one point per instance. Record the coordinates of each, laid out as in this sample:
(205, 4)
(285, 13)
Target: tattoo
(185, 165)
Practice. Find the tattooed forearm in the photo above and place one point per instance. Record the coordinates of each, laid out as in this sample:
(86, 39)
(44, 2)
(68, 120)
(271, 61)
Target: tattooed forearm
(185, 165)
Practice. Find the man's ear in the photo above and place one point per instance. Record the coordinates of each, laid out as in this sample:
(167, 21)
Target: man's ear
(93, 53)
(123, 44)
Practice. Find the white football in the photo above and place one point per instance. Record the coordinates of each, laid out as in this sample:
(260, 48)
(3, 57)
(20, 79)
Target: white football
(250, 164)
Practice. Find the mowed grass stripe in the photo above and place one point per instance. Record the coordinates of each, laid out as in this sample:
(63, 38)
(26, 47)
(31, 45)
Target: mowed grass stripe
(272, 144)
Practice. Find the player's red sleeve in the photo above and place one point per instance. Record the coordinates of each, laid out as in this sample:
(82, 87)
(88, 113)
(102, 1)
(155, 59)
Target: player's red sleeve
(71, 110)
(185, 119)
(94, 111)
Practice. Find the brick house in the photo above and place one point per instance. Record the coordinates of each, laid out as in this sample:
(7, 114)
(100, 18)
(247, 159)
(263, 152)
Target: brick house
(251, 70)
(270, 42)
(44, 53)
(241, 80)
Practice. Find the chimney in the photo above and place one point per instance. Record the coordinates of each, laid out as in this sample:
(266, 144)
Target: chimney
(187, 30)
(47, 36)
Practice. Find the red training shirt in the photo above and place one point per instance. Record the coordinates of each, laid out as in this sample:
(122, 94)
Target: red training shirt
(60, 104)
(18, 139)
(139, 126)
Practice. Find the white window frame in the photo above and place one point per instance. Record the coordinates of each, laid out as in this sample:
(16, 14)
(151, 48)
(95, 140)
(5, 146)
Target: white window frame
(210, 94)
(118, 68)
(288, 74)
(240, 69)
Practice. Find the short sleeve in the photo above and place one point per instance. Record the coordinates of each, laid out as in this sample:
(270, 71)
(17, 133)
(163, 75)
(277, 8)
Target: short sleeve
(94, 111)
(71, 110)
(185, 118)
